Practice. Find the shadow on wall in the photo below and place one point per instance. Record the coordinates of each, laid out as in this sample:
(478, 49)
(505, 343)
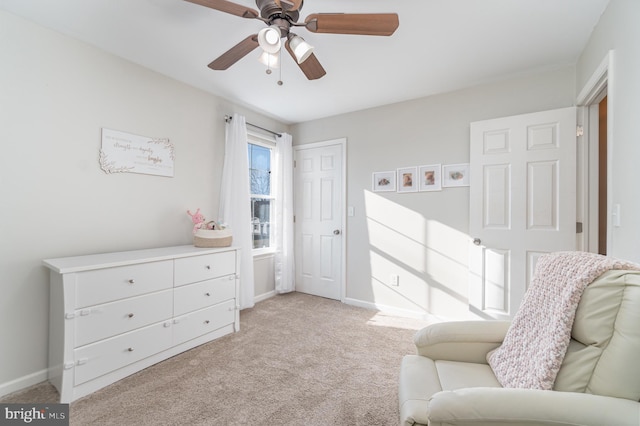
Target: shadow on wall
(429, 258)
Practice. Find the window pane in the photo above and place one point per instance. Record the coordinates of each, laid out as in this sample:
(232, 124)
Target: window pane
(260, 169)
(260, 182)
(261, 223)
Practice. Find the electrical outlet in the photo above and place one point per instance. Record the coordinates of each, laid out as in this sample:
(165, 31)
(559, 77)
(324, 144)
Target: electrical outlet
(395, 280)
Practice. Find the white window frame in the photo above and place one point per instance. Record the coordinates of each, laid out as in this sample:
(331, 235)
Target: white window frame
(270, 143)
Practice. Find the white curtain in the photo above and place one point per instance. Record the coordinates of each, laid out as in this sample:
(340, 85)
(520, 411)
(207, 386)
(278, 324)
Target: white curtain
(235, 206)
(282, 226)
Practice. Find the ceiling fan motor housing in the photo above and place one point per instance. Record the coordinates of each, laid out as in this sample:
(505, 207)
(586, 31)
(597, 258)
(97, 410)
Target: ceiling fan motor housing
(273, 14)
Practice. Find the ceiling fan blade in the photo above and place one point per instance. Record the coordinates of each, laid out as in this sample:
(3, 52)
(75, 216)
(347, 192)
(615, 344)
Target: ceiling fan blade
(380, 24)
(310, 67)
(228, 7)
(234, 54)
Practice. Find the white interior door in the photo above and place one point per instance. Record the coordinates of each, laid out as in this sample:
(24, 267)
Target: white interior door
(319, 218)
(522, 203)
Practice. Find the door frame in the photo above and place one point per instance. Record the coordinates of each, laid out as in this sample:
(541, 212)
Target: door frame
(342, 142)
(597, 87)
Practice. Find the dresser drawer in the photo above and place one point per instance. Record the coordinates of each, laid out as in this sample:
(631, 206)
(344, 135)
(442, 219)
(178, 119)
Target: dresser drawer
(105, 285)
(195, 324)
(98, 322)
(199, 268)
(206, 293)
(108, 355)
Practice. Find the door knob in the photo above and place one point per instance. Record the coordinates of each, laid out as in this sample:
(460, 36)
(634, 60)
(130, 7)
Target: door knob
(336, 232)
(477, 241)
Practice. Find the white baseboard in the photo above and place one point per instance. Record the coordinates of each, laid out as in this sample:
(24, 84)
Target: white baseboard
(264, 296)
(23, 382)
(407, 313)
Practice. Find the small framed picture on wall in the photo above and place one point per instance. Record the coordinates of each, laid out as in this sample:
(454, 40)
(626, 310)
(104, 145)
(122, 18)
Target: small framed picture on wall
(429, 178)
(455, 175)
(384, 181)
(408, 179)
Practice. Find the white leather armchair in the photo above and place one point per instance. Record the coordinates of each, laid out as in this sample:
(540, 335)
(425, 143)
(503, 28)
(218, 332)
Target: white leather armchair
(449, 382)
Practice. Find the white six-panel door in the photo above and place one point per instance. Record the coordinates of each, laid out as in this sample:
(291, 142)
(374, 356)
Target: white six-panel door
(522, 203)
(318, 183)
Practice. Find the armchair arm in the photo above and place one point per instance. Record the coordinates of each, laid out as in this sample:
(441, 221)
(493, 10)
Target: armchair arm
(465, 341)
(517, 407)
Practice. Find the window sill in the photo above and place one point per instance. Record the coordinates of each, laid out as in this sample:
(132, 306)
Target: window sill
(262, 253)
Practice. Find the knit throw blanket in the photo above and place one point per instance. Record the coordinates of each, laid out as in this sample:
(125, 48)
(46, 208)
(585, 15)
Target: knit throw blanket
(537, 340)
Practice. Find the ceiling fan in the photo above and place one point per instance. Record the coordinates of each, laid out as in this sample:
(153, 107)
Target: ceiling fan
(280, 16)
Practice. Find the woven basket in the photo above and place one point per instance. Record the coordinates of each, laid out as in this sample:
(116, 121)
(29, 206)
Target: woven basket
(212, 238)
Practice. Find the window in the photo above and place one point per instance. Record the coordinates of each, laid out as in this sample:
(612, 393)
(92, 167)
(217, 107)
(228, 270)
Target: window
(260, 161)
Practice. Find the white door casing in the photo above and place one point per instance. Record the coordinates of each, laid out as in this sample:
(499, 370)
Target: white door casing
(522, 203)
(319, 218)
(596, 88)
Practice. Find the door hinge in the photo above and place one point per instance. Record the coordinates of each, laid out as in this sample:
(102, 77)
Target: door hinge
(579, 131)
(578, 227)
(294, 218)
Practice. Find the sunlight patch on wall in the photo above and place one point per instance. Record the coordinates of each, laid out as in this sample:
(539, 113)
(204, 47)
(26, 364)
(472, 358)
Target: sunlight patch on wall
(447, 241)
(382, 267)
(429, 257)
(398, 218)
(397, 245)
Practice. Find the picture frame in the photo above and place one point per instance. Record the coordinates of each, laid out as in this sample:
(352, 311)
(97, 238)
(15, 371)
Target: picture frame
(455, 175)
(384, 181)
(430, 177)
(408, 179)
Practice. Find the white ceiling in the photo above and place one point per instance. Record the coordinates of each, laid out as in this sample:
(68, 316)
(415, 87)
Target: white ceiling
(440, 46)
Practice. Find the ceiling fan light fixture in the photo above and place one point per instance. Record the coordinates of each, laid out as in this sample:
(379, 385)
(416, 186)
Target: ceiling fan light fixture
(269, 39)
(270, 60)
(301, 49)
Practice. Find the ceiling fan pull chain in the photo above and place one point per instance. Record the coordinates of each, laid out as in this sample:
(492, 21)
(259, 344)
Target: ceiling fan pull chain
(281, 65)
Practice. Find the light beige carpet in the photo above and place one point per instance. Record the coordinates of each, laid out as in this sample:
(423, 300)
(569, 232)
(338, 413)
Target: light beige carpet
(297, 360)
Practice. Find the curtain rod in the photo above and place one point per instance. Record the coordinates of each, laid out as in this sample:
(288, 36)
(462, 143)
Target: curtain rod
(229, 118)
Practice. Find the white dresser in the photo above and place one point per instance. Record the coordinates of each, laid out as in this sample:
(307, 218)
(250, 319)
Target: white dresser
(113, 314)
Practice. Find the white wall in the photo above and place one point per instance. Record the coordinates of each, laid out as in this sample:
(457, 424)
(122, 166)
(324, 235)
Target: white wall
(55, 96)
(618, 30)
(420, 236)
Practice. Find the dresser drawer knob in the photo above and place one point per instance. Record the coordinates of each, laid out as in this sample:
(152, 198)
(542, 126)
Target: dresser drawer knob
(130, 315)
(207, 294)
(206, 321)
(208, 267)
(132, 281)
(130, 349)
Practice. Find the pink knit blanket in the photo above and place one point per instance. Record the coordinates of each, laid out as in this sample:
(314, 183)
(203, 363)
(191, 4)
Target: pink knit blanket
(537, 340)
